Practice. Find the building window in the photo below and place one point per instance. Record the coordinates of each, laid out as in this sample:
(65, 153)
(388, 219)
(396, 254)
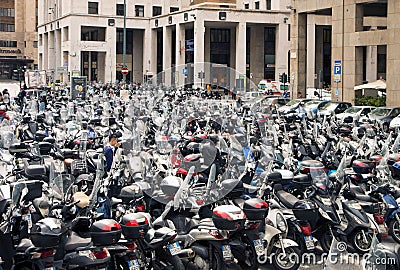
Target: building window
(93, 33)
(224, 6)
(120, 9)
(246, 6)
(139, 11)
(157, 11)
(269, 52)
(268, 4)
(173, 9)
(4, 27)
(35, 44)
(8, 43)
(40, 39)
(257, 5)
(7, 12)
(93, 8)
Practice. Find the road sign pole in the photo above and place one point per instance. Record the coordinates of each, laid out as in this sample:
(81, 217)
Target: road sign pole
(124, 44)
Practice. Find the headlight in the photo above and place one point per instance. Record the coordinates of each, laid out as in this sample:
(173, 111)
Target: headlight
(281, 223)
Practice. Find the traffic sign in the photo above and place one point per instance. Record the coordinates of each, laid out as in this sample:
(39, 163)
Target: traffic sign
(124, 71)
(337, 69)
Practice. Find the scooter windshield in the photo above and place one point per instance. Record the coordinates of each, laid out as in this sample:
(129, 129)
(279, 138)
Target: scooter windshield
(319, 177)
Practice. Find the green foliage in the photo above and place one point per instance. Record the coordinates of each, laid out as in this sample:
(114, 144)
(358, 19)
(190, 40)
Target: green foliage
(370, 101)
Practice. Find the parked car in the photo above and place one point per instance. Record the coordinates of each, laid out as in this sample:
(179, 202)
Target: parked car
(313, 106)
(249, 96)
(292, 105)
(331, 108)
(276, 102)
(382, 116)
(354, 112)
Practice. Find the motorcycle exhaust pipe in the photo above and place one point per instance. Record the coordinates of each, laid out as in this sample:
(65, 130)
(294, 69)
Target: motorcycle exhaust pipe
(186, 253)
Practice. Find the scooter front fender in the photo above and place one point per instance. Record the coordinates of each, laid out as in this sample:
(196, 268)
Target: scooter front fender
(286, 243)
(270, 232)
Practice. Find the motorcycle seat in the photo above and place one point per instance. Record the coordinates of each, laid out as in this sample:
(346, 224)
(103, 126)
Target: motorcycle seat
(364, 198)
(287, 199)
(75, 241)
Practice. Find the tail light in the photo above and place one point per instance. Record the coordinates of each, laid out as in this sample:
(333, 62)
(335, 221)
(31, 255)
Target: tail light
(140, 208)
(253, 226)
(102, 254)
(172, 238)
(216, 234)
(306, 229)
(131, 246)
(379, 219)
(47, 253)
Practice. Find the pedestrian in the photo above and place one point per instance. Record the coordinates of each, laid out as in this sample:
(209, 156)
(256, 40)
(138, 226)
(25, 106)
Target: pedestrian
(301, 112)
(109, 150)
(234, 92)
(21, 97)
(285, 94)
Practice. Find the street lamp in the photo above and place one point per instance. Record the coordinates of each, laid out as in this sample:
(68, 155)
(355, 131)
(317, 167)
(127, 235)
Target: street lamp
(124, 43)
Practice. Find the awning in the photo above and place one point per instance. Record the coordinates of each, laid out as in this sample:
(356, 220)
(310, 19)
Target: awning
(377, 85)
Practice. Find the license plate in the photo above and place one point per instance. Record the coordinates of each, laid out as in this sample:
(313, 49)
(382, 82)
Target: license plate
(28, 218)
(134, 265)
(309, 242)
(382, 228)
(227, 252)
(174, 248)
(50, 268)
(259, 246)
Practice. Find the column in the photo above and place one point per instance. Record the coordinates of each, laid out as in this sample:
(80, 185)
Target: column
(149, 51)
(257, 52)
(372, 64)
(311, 38)
(180, 55)
(393, 55)
(199, 31)
(241, 48)
(282, 48)
(167, 42)
(298, 52)
(110, 67)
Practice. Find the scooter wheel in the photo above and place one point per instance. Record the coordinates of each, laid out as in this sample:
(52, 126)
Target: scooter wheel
(394, 230)
(290, 262)
(358, 242)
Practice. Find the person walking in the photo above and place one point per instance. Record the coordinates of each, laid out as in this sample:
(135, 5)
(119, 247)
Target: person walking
(234, 92)
(109, 150)
(285, 94)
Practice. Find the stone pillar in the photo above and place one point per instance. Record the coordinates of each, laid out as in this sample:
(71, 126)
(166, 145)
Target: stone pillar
(199, 31)
(180, 55)
(167, 49)
(150, 51)
(240, 65)
(372, 63)
(393, 55)
(311, 53)
(257, 52)
(282, 48)
(110, 61)
(137, 64)
(298, 52)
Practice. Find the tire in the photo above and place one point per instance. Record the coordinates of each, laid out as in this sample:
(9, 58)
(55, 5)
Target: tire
(279, 263)
(326, 240)
(176, 262)
(251, 263)
(357, 241)
(394, 229)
